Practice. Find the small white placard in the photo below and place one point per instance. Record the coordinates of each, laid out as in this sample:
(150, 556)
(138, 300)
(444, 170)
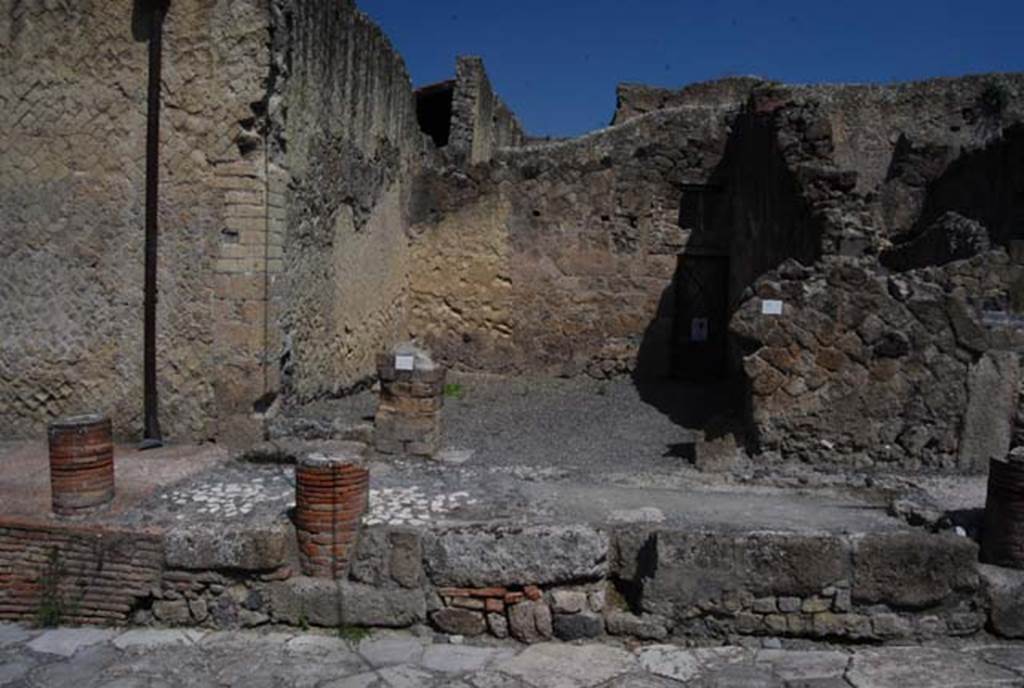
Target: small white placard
(699, 330)
(405, 362)
(771, 307)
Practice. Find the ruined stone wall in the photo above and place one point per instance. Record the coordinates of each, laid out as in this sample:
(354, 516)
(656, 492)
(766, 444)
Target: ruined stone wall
(72, 127)
(351, 142)
(865, 367)
(559, 258)
(634, 100)
(481, 122)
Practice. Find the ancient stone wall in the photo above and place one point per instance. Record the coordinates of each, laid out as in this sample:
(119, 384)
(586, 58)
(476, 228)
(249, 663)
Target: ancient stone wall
(72, 117)
(558, 258)
(481, 123)
(864, 367)
(634, 100)
(352, 143)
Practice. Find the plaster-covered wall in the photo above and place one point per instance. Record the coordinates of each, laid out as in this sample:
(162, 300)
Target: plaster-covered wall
(72, 131)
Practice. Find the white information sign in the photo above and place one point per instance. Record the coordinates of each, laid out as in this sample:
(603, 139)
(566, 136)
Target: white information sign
(405, 362)
(771, 307)
(699, 330)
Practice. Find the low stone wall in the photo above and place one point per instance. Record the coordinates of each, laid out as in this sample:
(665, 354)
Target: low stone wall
(531, 583)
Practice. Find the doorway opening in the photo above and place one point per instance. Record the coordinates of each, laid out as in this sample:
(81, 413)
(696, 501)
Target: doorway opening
(700, 326)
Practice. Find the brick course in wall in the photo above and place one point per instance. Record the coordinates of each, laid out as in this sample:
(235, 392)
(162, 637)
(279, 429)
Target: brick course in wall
(91, 575)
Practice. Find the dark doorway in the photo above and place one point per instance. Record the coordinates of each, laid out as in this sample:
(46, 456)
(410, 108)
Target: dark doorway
(699, 332)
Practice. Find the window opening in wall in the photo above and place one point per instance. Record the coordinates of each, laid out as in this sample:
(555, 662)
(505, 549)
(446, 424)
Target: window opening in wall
(434, 111)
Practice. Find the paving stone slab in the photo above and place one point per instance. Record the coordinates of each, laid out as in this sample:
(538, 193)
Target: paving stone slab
(681, 664)
(65, 642)
(84, 670)
(459, 658)
(405, 676)
(925, 667)
(1004, 655)
(792, 665)
(380, 652)
(150, 638)
(558, 665)
(494, 679)
(12, 634)
(13, 669)
(318, 643)
(363, 680)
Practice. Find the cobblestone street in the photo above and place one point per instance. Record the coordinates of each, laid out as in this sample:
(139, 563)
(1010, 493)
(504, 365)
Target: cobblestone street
(153, 658)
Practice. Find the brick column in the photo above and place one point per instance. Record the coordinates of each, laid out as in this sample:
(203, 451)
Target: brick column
(408, 417)
(81, 463)
(331, 496)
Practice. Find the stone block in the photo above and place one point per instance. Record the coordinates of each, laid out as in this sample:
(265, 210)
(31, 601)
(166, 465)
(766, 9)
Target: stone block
(238, 548)
(568, 601)
(890, 626)
(813, 605)
(913, 570)
(173, 612)
(457, 621)
(690, 567)
(991, 407)
(386, 556)
(300, 600)
(645, 626)
(363, 605)
(577, 626)
(1004, 590)
(498, 625)
(530, 622)
(789, 605)
(516, 556)
(717, 455)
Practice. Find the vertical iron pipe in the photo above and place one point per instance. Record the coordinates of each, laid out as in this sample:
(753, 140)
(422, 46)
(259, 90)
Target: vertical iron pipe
(151, 430)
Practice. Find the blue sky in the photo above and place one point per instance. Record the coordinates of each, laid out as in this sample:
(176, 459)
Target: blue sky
(556, 62)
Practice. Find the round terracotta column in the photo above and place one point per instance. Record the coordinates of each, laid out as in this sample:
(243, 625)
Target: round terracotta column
(331, 495)
(81, 463)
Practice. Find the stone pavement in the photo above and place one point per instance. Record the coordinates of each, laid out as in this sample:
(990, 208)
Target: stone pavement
(157, 658)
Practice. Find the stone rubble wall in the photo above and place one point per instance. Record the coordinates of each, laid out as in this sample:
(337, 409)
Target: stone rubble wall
(908, 352)
(863, 369)
(73, 122)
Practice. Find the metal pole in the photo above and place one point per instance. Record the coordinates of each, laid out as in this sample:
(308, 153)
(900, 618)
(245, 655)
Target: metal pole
(151, 432)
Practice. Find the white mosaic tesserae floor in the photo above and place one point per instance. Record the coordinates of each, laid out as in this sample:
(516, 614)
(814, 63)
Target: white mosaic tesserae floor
(411, 505)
